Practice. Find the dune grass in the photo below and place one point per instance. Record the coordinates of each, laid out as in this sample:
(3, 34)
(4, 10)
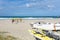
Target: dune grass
(7, 37)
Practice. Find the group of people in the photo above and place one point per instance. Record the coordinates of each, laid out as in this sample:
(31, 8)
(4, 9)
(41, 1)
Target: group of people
(16, 20)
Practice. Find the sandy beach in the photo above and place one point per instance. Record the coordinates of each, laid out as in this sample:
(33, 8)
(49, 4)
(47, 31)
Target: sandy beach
(20, 29)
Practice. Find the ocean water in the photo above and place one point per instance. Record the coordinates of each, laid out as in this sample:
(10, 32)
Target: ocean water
(29, 17)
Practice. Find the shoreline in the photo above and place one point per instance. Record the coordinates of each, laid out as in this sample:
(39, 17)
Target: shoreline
(30, 18)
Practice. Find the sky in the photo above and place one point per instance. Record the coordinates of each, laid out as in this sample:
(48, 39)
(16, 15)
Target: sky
(29, 7)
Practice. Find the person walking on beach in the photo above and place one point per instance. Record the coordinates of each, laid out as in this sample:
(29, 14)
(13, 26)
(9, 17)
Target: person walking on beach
(12, 20)
(17, 20)
(20, 20)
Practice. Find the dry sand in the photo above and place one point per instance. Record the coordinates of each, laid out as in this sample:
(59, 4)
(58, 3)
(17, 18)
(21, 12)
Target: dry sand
(20, 29)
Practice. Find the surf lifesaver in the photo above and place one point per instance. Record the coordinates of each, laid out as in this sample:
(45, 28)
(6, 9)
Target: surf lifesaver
(54, 27)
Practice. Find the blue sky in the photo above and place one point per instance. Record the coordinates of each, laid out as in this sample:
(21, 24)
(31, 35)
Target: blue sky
(29, 7)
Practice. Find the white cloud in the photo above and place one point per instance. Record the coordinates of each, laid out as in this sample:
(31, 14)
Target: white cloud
(50, 7)
(28, 5)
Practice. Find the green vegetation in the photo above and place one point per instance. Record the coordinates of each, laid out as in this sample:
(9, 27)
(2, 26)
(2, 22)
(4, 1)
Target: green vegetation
(7, 38)
(3, 36)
